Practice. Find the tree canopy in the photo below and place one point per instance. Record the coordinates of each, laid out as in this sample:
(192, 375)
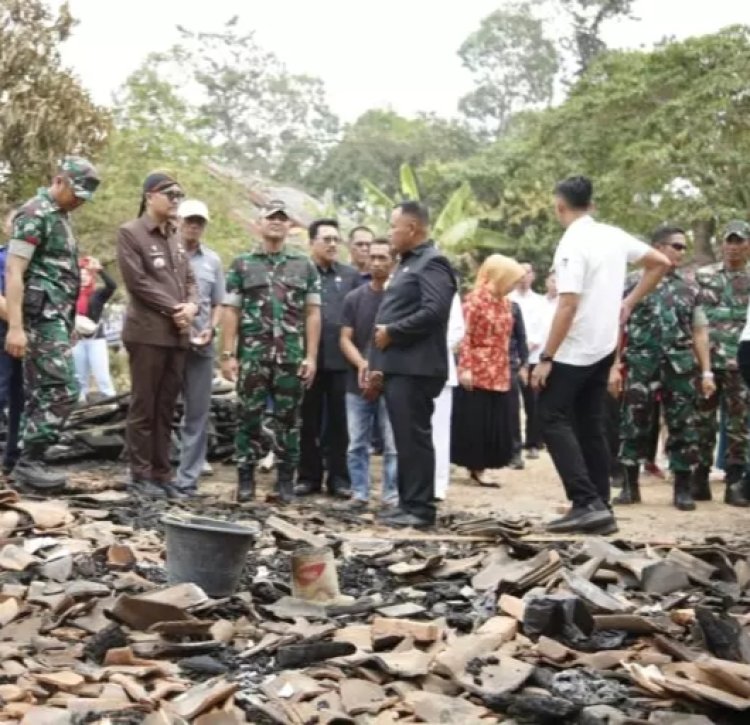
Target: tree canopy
(45, 113)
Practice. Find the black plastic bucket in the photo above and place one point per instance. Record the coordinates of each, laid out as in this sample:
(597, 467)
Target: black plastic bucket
(208, 552)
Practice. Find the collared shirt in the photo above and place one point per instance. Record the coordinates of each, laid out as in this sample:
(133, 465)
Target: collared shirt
(531, 303)
(724, 295)
(158, 277)
(209, 276)
(336, 282)
(272, 291)
(42, 233)
(591, 261)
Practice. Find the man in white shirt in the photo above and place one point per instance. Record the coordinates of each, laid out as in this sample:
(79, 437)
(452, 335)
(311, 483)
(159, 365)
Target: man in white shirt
(590, 264)
(531, 304)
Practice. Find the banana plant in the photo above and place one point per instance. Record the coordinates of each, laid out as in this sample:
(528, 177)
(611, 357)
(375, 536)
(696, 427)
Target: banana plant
(457, 227)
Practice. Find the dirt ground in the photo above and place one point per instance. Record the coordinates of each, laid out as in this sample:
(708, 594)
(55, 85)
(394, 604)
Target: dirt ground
(535, 493)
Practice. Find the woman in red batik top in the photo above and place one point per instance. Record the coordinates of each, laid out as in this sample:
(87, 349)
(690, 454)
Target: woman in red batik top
(481, 432)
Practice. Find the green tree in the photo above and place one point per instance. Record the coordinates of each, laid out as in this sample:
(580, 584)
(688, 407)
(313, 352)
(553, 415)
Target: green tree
(376, 145)
(44, 111)
(154, 132)
(527, 51)
(257, 115)
(664, 134)
(587, 18)
(514, 64)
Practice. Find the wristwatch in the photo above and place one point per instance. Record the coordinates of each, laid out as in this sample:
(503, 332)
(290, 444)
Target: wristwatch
(227, 355)
(546, 357)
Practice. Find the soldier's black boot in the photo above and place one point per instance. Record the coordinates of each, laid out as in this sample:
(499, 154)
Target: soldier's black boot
(683, 497)
(245, 484)
(285, 483)
(631, 492)
(32, 471)
(700, 486)
(734, 494)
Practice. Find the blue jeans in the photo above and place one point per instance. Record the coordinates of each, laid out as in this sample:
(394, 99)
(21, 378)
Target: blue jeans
(360, 415)
(11, 395)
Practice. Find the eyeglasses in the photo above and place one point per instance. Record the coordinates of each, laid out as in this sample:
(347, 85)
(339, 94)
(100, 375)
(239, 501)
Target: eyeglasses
(679, 247)
(332, 239)
(197, 220)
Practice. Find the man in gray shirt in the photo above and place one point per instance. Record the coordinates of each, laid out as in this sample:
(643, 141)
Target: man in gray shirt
(199, 366)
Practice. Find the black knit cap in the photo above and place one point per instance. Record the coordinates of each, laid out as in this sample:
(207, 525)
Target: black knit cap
(155, 181)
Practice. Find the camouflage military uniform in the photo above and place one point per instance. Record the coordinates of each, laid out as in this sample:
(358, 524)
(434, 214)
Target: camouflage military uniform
(50, 292)
(659, 356)
(272, 291)
(724, 296)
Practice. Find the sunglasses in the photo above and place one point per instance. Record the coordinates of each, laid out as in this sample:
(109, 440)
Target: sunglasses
(332, 239)
(85, 183)
(679, 247)
(173, 194)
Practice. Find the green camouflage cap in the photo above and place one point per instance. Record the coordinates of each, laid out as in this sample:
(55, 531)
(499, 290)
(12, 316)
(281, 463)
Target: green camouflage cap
(83, 176)
(736, 228)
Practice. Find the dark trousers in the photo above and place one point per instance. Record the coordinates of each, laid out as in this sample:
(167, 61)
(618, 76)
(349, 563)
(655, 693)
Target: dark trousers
(156, 375)
(572, 416)
(325, 436)
(612, 431)
(515, 412)
(410, 400)
(533, 437)
(11, 398)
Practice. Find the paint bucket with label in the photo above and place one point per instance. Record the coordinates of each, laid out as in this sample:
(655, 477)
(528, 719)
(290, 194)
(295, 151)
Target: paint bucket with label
(314, 575)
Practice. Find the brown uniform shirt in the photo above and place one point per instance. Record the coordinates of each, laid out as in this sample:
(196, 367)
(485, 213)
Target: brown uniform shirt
(158, 275)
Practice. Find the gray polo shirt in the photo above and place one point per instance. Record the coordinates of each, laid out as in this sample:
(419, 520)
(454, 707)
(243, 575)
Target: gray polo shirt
(209, 277)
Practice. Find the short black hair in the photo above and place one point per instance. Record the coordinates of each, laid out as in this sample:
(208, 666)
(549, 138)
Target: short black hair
(416, 210)
(384, 241)
(664, 232)
(312, 230)
(576, 191)
(360, 228)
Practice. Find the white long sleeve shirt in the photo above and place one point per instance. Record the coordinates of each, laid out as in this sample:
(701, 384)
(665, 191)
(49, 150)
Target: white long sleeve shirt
(456, 332)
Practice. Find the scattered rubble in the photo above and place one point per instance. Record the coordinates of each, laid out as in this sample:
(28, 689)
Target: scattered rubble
(480, 623)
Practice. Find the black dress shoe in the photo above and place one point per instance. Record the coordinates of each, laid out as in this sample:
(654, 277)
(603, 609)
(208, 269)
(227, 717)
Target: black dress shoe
(586, 519)
(306, 488)
(402, 519)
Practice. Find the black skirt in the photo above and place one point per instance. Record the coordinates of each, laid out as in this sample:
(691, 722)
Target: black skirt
(481, 429)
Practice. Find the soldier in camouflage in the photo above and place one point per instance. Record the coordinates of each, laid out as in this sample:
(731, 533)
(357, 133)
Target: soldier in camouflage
(271, 331)
(42, 281)
(665, 334)
(724, 292)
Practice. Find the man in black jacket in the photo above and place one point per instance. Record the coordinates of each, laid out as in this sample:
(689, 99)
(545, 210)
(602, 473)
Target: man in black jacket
(410, 357)
(324, 433)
